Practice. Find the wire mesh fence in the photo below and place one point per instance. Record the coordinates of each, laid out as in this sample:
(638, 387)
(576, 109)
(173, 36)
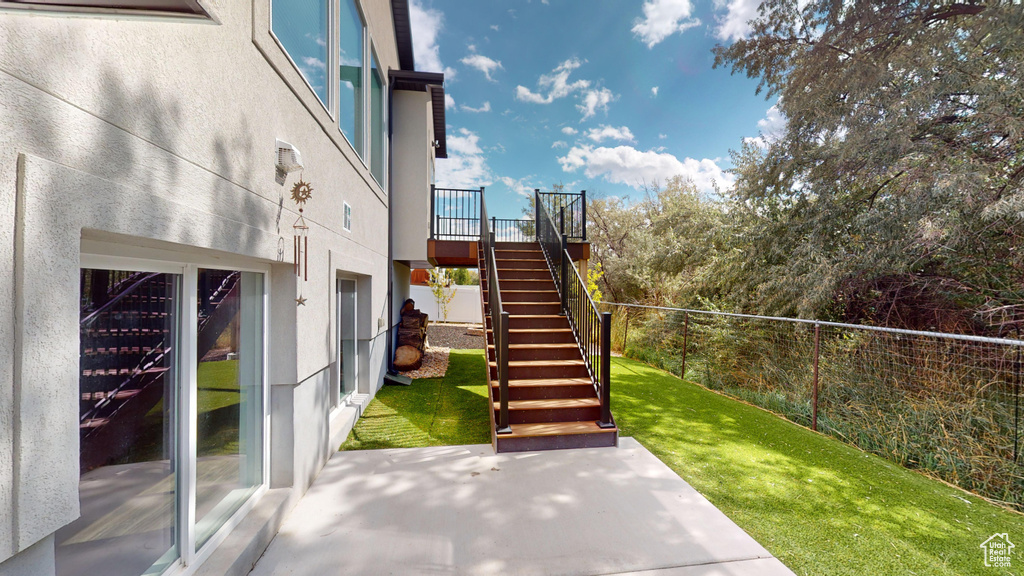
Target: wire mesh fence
(949, 405)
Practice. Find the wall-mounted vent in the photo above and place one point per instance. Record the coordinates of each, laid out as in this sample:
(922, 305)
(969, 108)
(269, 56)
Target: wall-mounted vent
(346, 221)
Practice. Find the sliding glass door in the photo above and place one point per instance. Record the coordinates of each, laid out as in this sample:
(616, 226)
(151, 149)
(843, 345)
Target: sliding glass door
(171, 415)
(348, 358)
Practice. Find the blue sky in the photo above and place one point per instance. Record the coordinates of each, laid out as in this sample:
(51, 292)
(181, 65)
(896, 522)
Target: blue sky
(601, 95)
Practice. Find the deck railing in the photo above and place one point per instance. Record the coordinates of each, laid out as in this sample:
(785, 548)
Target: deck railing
(591, 327)
(575, 205)
(455, 214)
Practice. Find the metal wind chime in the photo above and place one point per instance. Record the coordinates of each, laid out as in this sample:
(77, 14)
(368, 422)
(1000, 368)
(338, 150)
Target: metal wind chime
(301, 193)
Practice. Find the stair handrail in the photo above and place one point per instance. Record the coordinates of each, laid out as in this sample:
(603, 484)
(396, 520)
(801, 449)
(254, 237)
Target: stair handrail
(116, 299)
(499, 319)
(591, 328)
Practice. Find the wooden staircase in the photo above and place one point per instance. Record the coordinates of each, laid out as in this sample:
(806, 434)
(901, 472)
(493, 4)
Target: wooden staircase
(552, 399)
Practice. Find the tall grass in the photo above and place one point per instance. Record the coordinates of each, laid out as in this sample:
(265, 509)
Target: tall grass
(945, 407)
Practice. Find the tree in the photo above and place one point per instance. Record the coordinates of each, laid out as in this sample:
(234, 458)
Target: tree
(903, 154)
(463, 276)
(656, 250)
(441, 287)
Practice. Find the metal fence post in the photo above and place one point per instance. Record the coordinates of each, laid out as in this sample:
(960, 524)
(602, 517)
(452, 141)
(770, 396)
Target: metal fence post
(1016, 403)
(686, 330)
(561, 220)
(606, 371)
(814, 405)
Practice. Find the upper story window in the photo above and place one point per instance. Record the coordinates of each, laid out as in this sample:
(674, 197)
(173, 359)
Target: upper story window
(350, 67)
(378, 137)
(174, 7)
(302, 27)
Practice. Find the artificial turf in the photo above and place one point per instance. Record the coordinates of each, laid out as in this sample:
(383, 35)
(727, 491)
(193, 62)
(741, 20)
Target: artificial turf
(451, 410)
(818, 505)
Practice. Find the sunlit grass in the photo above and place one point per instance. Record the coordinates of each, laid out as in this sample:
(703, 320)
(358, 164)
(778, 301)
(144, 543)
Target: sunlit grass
(432, 412)
(820, 506)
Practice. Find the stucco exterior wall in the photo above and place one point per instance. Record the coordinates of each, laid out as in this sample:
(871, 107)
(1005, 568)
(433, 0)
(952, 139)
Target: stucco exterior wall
(412, 136)
(155, 138)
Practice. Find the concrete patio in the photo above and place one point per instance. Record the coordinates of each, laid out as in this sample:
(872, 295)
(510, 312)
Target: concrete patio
(466, 510)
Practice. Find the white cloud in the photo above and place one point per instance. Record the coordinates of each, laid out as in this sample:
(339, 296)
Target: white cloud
(632, 167)
(603, 133)
(772, 127)
(654, 91)
(557, 83)
(521, 186)
(662, 136)
(318, 39)
(594, 100)
(449, 102)
(482, 63)
(663, 18)
(495, 27)
(559, 144)
(569, 130)
(314, 63)
(485, 108)
(734, 25)
(426, 23)
(465, 166)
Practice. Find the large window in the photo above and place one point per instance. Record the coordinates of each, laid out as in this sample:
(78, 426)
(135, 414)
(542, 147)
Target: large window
(302, 28)
(171, 415)
(378, 139)
(357, 81)
(350, 70)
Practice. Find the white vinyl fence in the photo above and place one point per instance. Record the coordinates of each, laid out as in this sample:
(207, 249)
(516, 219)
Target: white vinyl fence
(464, 307)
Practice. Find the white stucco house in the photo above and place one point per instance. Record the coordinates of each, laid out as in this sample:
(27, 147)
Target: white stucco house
(169, 384)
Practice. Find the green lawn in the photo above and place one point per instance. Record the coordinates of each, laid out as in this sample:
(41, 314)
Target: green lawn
(432, 412)
(820, 506)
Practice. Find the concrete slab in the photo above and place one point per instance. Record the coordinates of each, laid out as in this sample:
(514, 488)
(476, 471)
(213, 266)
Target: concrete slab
(466, 510)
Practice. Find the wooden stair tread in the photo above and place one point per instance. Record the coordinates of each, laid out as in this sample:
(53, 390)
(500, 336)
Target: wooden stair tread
(541, 382)
(546, 346)
(555, 429)
(550, 404)
(542, 363)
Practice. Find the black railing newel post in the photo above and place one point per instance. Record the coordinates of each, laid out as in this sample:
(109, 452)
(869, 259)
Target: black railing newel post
(561, 221)
(564, 273)
(433, 214)
(583, 199)
(606, 369)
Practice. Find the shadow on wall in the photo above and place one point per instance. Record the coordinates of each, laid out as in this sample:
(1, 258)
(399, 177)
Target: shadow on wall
(131, 127)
